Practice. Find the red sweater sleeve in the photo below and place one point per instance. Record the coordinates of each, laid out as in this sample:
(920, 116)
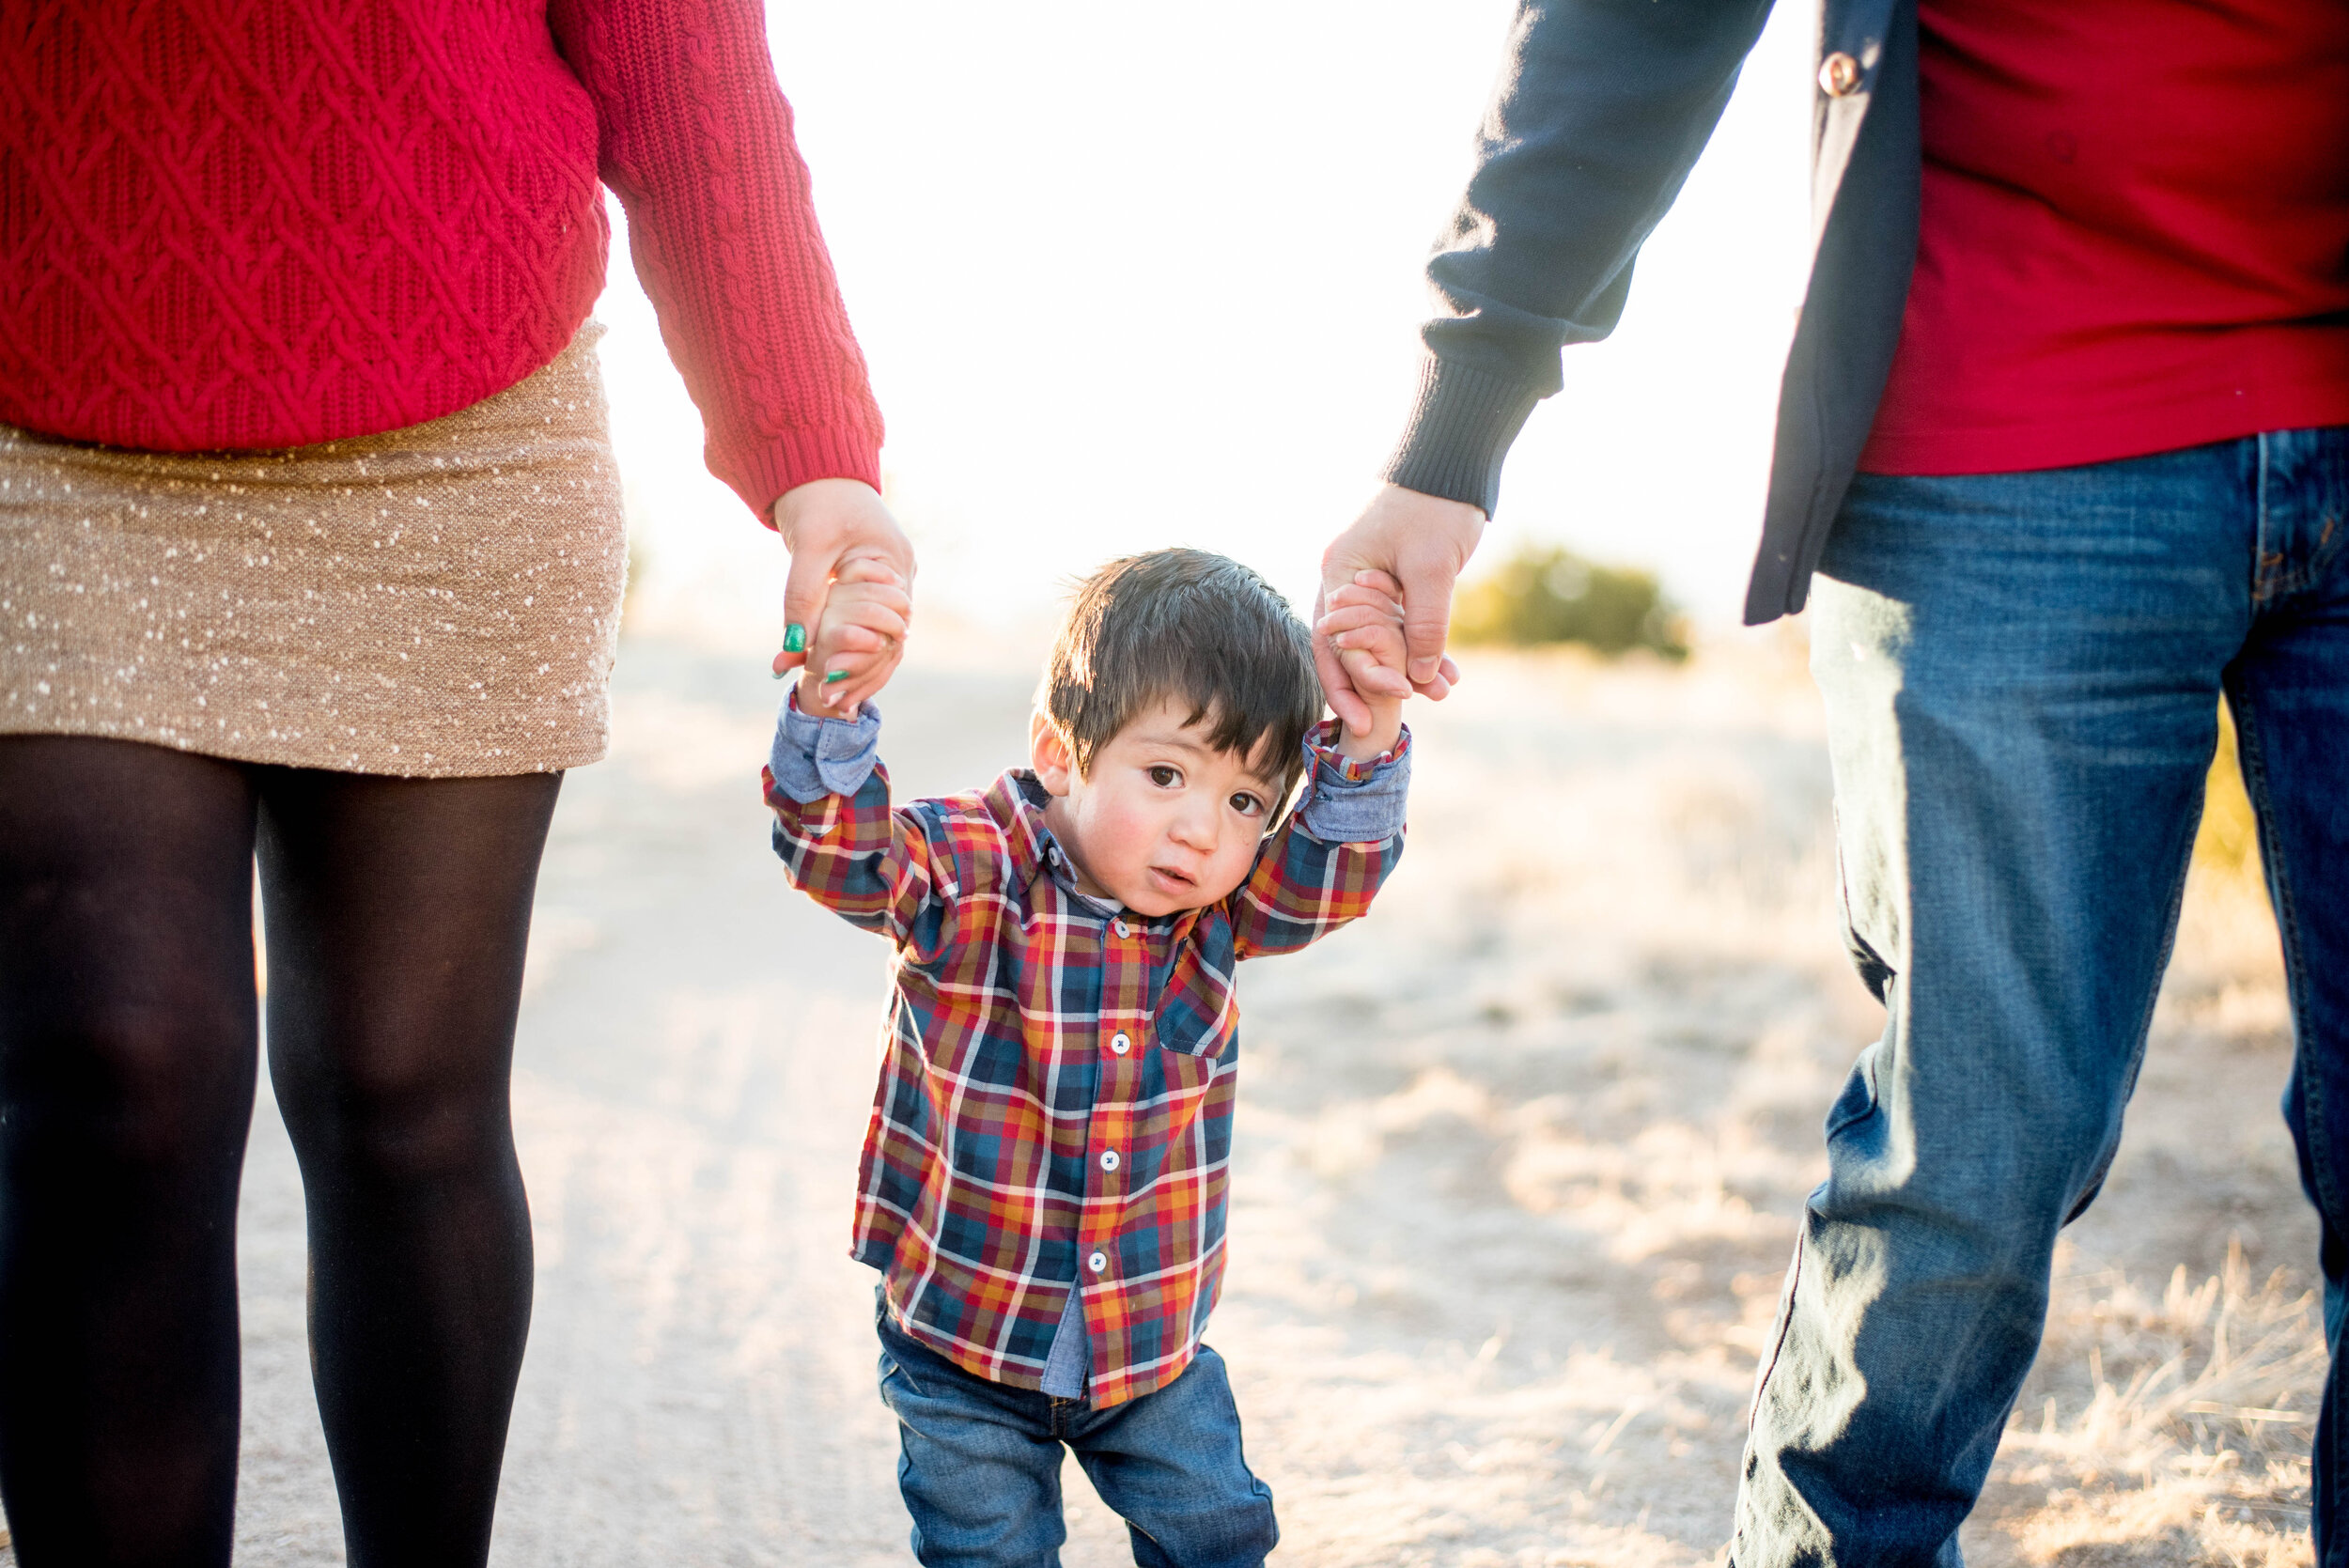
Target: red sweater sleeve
(697, 139)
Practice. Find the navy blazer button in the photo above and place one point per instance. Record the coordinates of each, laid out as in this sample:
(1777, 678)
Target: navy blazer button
(1839, 75)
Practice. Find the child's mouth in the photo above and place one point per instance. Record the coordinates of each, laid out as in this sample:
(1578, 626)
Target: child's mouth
(1170, 880)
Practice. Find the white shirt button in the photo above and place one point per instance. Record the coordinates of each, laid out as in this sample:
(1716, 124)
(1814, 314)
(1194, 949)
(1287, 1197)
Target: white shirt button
(1121, 929)
(1120, 1043)
(1109, 1159)
(1097, 1261)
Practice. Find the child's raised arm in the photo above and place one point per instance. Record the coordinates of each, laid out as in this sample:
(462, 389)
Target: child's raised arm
(1323, 865)
(839, 839)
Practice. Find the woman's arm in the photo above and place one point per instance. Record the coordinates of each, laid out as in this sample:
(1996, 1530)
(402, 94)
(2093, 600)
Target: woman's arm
(697, 139)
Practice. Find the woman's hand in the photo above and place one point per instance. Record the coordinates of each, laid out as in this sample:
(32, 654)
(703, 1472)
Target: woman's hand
(863, 630)
(828, 524)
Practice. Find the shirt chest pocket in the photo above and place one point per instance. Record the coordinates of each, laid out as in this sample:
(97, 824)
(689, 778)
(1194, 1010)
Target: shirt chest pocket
(1177, 1081)
(1195, 1016)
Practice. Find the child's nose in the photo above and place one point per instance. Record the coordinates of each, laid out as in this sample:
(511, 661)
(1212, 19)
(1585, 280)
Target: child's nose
(1196, 827)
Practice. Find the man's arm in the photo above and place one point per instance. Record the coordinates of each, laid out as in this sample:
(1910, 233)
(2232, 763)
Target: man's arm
(1603, 108)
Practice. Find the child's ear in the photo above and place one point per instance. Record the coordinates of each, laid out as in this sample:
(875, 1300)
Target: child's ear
(1050, 754)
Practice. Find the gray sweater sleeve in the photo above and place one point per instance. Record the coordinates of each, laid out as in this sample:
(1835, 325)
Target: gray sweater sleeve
(1603, 108)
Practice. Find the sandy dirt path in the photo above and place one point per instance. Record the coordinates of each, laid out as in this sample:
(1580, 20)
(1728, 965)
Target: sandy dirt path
(1518, 1165)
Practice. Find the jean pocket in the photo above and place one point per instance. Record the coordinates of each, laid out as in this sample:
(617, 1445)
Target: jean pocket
(899, 1351)
(894, 1371)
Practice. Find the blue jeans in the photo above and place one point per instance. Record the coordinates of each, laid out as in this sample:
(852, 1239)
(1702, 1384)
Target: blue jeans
(2022, 674)
(980, 1466)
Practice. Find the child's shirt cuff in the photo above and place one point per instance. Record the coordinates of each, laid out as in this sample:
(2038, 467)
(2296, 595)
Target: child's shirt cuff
(813, 756)
(1348, 801)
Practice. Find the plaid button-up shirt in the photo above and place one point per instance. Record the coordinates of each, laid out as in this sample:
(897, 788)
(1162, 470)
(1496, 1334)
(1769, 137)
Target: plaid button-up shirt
(1055, 1103)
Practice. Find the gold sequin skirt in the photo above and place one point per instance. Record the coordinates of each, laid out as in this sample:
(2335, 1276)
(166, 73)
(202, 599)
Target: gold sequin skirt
(435, 601)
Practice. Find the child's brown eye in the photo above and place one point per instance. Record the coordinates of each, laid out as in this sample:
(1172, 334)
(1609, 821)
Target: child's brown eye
(1245, 805)
(1165, 777)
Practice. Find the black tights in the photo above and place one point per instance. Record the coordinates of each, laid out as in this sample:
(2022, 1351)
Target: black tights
(398, 912)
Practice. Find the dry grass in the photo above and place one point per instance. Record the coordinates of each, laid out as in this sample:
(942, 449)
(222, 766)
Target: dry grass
(2169, 1428)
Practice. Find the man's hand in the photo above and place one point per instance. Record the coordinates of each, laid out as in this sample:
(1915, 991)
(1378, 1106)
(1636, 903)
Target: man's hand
(1421, 542)
(826, 524)
(863, 625)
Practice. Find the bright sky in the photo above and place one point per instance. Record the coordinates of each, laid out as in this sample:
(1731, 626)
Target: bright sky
(1131, 277)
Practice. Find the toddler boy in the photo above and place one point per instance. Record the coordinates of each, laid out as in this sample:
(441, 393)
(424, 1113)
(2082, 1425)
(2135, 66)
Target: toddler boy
(1044, 1177)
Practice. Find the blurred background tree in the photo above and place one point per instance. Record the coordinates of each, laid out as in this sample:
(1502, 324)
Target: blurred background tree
(1546, 594)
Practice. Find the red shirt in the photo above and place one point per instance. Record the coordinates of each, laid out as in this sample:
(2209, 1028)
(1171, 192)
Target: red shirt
(258, 224)
(2135, 236)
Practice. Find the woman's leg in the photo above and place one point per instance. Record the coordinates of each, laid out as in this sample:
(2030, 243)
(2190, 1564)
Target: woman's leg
(127, 1045)
(398, 912)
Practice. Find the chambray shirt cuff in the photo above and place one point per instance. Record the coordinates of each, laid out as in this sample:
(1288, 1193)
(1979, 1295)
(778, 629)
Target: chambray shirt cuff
(1348, 801)
(814, 757)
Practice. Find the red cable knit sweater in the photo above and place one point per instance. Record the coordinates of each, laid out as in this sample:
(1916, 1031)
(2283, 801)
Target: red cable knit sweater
(258, 224)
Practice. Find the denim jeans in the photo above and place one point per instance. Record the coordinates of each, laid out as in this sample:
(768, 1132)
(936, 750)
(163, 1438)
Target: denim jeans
(980, 1466)
(2022, 674)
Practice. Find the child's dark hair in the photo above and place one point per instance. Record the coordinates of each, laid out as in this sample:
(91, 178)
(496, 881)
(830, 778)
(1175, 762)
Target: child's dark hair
(1195, 629)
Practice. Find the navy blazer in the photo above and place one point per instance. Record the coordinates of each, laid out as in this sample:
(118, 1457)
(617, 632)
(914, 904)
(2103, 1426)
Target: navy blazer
(1603, 108)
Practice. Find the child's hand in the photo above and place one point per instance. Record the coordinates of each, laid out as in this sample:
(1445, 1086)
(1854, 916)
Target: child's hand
(1364, 623)
(857, 638)
(826, 523)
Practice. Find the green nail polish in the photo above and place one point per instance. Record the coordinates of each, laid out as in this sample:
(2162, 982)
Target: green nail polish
(837, 674)
(795, 638)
